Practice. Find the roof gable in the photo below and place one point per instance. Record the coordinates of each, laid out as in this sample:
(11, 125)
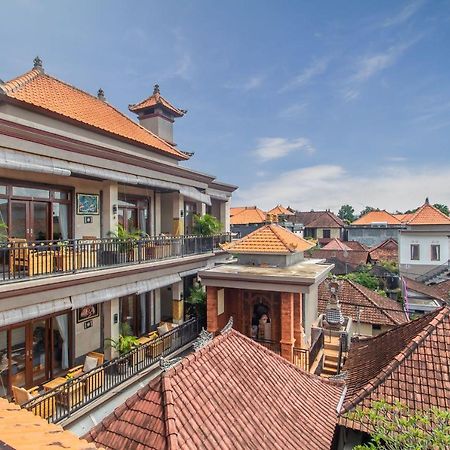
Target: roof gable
(48, 94)
(233, 393)
(157, 99)
(270, 238)
(247, 215)
(336, 244)
(385, 251)
(281, 210)
(428, 215)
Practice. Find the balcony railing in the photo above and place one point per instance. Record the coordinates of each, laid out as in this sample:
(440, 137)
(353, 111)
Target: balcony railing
(21, 259)
(271, 345)
(63, 401)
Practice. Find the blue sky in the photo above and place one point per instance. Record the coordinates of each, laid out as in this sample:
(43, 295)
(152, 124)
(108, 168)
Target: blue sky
(309, 104)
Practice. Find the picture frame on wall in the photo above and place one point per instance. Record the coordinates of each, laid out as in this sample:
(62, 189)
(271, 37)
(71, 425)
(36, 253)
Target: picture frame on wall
(87, 313)
(88, 204)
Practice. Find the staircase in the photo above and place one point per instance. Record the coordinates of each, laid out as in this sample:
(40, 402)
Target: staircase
(331, 356)
(433, 275)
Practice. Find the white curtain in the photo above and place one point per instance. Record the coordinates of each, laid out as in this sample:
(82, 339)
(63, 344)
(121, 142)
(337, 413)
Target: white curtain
(143, 307)
(64, 220)
(63, 326)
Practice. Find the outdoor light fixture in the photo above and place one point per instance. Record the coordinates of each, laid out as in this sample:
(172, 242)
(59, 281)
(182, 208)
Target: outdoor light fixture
(114, 209)
(181, 213)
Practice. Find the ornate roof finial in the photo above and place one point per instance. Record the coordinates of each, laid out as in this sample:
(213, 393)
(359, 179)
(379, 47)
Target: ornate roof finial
(37, 63)
(166, 363)
(156, 89)
(427, 201)
(228, 326)
(203, 339)
(101, 95)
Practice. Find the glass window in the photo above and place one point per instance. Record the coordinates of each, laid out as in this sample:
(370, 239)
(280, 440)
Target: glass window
(128, 314)
(18, 356)
(60, 221)
(3, 217)
(327, 234)
(2, 189)
(60, 195)
(435, 252)
(4, 363)
(415, 252)
(30, 192)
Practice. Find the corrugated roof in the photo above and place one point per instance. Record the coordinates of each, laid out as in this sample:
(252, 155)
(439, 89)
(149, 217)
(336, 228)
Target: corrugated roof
(37, 89)
(232, 394)
(270, 238)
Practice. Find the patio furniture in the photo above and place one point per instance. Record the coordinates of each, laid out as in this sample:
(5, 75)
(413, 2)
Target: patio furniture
(44, 409)
(93, 379)
(30, 260)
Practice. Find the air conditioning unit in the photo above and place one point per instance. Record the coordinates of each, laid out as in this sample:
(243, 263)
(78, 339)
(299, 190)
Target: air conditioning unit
(379, 224)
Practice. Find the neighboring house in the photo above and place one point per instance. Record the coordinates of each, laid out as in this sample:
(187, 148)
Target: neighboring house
(408, 364)
(424, 244)
(371, 313)
(355, 245)
(245, 219)
(72, 169)
(421, 298)
(231, 394)
(320, 225)
(385, 251)
(270, 291)
(344, 261)
(337, 244)
(374, 228)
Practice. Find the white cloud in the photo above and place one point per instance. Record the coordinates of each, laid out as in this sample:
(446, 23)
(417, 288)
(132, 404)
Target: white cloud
(405, 14)
(317, 68)
(330, 186)
(396, 158)
(253, 82)
(277, 147)
(293, 111)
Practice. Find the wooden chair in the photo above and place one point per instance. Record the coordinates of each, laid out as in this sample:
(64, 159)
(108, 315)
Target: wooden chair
(28, 260)
(95, 378)
(46, 405)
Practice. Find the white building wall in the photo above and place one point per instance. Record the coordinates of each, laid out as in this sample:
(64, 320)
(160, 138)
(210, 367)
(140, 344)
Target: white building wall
(425, 241)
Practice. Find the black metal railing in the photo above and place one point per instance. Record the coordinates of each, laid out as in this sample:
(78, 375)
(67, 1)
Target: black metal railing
(21, 259)
(304, 358)
(73, 394)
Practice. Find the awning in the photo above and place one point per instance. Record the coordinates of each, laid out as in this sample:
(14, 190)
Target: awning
(31, 312)
(194, 194)
(217, 195)
(139, 287)
(156, 283)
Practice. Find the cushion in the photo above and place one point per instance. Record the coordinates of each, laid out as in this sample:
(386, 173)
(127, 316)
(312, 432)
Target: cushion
(89, 363)
(153, 335)
(164, 328)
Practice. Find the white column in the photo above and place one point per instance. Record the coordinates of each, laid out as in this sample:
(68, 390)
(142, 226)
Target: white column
(225, 216)
(177, 214)
(110, 197)
(111, 325)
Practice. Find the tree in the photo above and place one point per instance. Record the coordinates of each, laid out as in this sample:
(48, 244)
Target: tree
(363, 277)
(367, 209)
(197, 302)
(206, 225)
(442, 208)
(397, 427)
(347, 213)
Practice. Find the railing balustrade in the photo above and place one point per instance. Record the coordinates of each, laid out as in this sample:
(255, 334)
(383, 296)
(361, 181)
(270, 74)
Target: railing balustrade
(21, 259)
(61, 402)
(271, 345)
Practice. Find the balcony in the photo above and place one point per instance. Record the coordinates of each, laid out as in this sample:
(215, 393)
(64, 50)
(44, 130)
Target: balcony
(71, 395)
(24, 260)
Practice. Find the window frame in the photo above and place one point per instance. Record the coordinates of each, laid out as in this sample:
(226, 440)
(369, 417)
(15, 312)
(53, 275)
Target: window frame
(411, 252)
(438, 253)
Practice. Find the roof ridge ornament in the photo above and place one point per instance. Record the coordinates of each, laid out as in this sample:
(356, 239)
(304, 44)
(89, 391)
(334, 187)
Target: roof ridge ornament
(37, 64)
(204, 338)
(228, 327)
(156, 89)
(101, 95)
(165, 363)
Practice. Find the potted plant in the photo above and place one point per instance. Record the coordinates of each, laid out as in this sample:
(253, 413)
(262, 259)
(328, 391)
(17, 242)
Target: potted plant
(123, 345)
(206, 226)
(124, 245)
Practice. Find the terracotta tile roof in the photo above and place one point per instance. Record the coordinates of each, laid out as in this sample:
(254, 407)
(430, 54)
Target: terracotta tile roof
(385, 251)
(428, 215)
(51, 95)
(270, 238)
(247, 215)
(156, 99)
(232, 394)
(443, 289)
(344, 261)
(422, 288)
(403, 217)
(377, 216)
(410, 364)
(355, 245)
(281, 210)
(336, 244)
(22, 430)
(318, 219)
(374, 308)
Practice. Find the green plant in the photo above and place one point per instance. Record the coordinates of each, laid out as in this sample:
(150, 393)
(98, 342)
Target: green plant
(347, 213)
(392, 266)
(206, 225)
(197, 301)
(364, 278)
(125, 329)
(123, 344)
(396, 427)
(3, 231)
(123, 234)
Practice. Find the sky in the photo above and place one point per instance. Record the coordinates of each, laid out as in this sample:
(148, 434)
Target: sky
(306, 104)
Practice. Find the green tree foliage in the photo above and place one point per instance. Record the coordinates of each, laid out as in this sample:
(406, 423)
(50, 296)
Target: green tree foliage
(364, 277)
(206, 225)
(443, 208)
(397, 427)
(347, 213)
(367, 209)
(197, 302)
